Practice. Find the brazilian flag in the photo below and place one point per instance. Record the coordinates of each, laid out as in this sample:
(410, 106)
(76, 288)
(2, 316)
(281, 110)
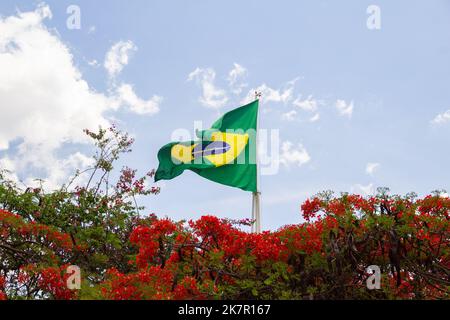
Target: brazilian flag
(225, 154)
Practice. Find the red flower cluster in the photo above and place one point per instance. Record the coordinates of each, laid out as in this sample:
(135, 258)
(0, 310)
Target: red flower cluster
(310, 208)
(220, 234)
(10, 222)
(302, 239)
(150, 239)
(265, 247)
(2, 288)
(210, 254)
(154, 283)
(166, 250)
(326, 257)
(339, 206)
(435, 206)
(50, 280)
(53, 280)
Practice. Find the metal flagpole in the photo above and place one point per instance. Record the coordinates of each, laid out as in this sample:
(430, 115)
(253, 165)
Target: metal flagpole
(256, 228)
(256, 205)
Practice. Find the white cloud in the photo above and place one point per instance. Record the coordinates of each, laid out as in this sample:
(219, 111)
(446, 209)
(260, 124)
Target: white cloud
(310, 104)
(45, 102)
(57, 169)
(272, 95)
(92, 29)
(344, 108)
(291, 155)
(129, 98)
(212, 97)
(442, 118)
(118, 57)
(44, 97)
(93, 63)
(283, 95)
(289, 116)
(363, 190)
(236, 73)
(9, 165)
(235, 77)
(371, 167)
(215, 97)
(315, 118)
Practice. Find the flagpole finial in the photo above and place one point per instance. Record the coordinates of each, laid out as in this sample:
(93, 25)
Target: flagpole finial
(258, 95)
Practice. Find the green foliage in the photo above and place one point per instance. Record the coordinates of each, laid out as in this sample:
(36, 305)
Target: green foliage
(97, 213)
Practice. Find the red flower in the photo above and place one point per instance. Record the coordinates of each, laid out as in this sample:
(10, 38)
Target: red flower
(310, 208)
(2, 288)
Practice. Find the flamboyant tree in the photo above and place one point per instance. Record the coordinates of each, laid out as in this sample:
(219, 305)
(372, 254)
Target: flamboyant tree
(94, 222)
(324, 258)
(94, 213)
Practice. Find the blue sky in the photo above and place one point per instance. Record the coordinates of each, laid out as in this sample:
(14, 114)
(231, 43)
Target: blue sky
(355, 108)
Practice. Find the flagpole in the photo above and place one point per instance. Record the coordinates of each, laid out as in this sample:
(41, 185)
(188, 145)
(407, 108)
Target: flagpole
(256, 204)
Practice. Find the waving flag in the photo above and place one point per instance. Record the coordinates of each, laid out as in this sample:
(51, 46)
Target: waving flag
(225, 154)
